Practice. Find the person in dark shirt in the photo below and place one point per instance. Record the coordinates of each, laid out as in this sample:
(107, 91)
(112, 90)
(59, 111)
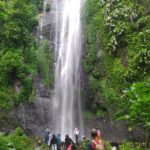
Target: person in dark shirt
(53, 143)
(68, 142)
(115, 145)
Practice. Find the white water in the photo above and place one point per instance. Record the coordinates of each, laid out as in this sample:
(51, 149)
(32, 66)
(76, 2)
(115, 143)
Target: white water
(43, 20)
(66, 100)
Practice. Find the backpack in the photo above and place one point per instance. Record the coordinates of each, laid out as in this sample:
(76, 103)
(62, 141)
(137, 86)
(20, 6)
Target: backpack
(99, 145)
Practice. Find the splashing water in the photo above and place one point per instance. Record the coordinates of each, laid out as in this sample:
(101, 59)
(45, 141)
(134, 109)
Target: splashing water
(67, 112)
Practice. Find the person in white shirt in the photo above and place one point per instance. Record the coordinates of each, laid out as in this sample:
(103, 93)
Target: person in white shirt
(76, 133)
(114, 148)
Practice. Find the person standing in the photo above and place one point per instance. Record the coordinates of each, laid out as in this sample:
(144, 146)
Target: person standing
(53, 143)
(115, 145)
(97, 143)
(46, 135)
(49, 138)
(58, 141)
(76, 133)
(68, 142)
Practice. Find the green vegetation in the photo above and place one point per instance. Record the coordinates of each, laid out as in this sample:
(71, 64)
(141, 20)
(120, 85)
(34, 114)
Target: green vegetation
(45, 61)
(16, 140)
(17, 50)
(20, 58)
(136, 105)
(123, 146)
(117, 58)
(20, 61)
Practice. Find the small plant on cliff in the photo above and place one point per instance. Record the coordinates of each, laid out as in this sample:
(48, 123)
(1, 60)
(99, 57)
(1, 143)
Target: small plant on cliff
(48, 7)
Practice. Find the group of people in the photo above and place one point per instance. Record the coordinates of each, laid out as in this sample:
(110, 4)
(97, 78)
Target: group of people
(52, 140)
(55, 143)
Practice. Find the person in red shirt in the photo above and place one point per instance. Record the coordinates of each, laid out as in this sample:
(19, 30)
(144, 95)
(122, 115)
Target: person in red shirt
(97, 143)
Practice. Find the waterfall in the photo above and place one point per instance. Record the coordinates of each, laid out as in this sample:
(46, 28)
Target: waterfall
(67, 112)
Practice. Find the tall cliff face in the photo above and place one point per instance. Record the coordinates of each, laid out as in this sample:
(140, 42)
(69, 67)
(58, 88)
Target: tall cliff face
(36, 116)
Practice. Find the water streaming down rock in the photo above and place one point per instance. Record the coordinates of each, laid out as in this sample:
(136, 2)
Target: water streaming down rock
(44, 20)
(68, 45)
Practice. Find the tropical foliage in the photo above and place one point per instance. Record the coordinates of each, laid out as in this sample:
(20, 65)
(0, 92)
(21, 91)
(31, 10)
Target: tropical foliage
(117, 58)
(17, 49)
(16, 140)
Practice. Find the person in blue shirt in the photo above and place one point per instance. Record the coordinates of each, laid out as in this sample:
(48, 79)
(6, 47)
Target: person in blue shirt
(46, 135)
(58, 141)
